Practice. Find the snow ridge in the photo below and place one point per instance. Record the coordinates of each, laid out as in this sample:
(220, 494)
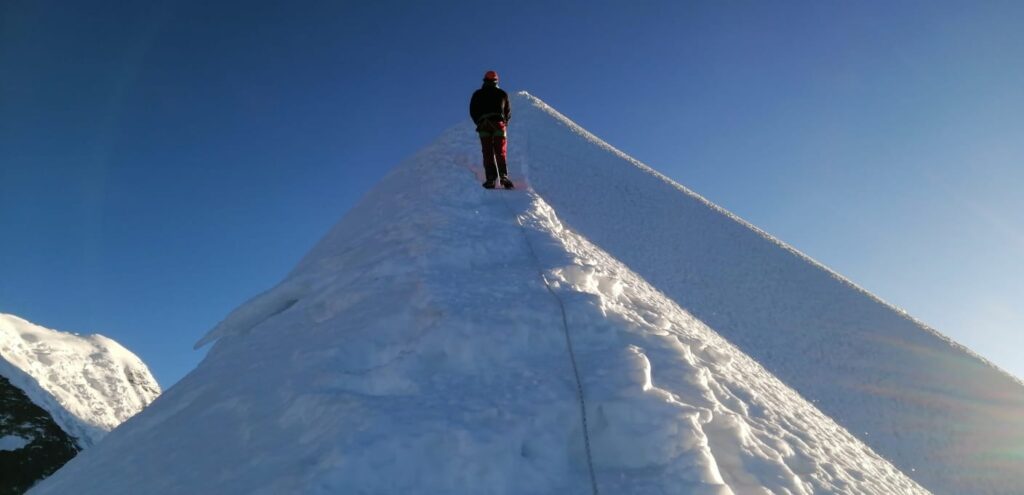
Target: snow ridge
(928, 404)
(89, 384)
(526, 98)
(417, 349)
(572, 359)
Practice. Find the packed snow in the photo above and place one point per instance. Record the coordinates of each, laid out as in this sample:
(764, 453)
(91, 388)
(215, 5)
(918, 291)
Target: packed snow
(423, 346)
(12, 442)
(88, 383)
(940, 413)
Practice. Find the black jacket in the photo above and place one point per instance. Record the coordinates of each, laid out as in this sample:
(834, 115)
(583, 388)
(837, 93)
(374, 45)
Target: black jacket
(490, 101)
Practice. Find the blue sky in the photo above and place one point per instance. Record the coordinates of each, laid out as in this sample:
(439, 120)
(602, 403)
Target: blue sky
(161, 162)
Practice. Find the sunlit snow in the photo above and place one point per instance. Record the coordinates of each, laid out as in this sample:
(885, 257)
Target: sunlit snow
(421, 347)
(88, 383)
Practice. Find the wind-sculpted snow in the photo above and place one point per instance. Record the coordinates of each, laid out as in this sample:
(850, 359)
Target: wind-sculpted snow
(89, 384)
(417, 349)
(940, 413)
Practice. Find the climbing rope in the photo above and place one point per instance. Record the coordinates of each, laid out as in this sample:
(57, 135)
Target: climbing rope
(568, 345)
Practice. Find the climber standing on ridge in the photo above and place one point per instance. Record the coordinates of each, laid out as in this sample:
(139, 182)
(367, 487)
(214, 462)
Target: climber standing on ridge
(490, 111)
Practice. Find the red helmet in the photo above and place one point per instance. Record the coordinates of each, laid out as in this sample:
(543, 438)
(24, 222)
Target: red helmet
(491, 76)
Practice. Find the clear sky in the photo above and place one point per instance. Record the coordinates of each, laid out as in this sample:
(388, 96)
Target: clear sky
(161, 162)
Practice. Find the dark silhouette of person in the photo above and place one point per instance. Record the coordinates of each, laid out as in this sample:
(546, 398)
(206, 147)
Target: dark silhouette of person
(490, 111)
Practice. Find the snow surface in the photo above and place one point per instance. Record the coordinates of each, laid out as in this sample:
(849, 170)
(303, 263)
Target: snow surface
(12, 442)
(940, 413)
(89, 384)
(420, 348)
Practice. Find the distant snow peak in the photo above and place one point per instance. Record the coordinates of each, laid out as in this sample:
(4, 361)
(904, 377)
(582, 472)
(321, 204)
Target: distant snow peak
(89, 384)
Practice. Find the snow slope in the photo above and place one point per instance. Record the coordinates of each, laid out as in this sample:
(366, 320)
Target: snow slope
(440, 339)
(89, 384)
(939, 412)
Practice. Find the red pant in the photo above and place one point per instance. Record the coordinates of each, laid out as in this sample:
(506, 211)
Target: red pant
(494, 149)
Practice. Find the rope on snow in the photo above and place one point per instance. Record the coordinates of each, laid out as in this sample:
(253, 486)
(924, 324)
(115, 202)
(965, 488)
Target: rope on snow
(568, 345)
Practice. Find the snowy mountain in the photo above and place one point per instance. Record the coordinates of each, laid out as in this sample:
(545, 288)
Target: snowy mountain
(601, 329)
(939, 412)
(60, 392)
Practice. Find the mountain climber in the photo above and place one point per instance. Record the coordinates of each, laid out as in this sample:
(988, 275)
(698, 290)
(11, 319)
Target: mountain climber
(490, 111)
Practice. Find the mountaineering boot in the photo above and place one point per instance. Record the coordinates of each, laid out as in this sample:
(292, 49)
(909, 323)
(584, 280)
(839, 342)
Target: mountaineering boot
(489, 184)
(507, 184)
